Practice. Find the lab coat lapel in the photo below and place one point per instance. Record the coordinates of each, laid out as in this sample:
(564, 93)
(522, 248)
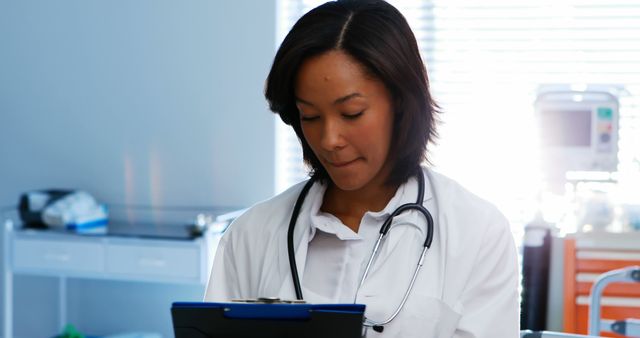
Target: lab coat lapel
(301, 245)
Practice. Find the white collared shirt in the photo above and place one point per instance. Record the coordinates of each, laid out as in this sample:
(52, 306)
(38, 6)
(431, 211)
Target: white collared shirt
(336, 255)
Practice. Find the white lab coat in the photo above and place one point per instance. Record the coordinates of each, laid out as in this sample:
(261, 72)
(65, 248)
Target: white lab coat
(468, 286)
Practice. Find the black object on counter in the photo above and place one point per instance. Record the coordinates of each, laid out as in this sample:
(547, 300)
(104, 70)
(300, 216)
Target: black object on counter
(535, 275)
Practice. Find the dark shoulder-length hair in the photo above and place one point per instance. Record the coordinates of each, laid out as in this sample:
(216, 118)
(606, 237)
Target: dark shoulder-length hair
(378, 36)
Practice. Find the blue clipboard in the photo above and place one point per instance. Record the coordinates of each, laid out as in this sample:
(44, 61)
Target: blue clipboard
(244, 320)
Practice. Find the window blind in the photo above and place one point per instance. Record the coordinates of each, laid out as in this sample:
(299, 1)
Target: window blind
(485, 62)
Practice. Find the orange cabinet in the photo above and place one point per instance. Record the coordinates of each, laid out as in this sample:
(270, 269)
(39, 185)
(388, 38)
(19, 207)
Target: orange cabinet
(586, 256)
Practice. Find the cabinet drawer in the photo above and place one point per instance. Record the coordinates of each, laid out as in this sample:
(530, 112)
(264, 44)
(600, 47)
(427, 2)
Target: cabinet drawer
(154, 261)
(58, 256)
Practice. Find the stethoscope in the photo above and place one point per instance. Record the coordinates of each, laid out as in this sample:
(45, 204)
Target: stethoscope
(384, 229)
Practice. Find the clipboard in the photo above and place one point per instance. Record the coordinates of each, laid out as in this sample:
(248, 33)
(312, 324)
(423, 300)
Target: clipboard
(258, 320)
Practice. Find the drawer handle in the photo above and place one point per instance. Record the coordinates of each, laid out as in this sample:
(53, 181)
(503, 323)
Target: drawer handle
(151, 262)
(58, 257)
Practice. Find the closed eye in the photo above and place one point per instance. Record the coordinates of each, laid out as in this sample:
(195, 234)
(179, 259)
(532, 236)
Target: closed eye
(308, 118)
(352, 116)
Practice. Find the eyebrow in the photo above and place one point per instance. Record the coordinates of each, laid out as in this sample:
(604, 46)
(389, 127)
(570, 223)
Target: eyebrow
(337, 101)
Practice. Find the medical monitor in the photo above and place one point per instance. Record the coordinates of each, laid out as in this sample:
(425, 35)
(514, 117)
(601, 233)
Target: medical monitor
(578, 131)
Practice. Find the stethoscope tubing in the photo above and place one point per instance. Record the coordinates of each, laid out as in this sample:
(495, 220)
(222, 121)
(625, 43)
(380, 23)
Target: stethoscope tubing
(384, 229)
(291, 249)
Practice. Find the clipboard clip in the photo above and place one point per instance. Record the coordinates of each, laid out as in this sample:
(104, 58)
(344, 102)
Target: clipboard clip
(268, 300)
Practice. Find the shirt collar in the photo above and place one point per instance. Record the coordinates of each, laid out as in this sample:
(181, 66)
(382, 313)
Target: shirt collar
(406, 193)
(323, 221)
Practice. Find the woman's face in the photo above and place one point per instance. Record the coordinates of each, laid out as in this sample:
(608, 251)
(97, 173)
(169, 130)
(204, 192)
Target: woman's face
(346, 118)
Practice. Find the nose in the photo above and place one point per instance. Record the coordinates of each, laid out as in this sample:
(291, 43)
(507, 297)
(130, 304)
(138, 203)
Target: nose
(332, 135)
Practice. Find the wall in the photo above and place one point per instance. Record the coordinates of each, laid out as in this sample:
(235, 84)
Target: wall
(154, 103)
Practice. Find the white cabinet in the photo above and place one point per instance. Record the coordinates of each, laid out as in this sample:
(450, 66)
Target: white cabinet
(38, 254)
(68, 255)
(121, 258)
(175, 262)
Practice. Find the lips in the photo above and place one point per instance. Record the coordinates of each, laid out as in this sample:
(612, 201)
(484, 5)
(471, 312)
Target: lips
(342, 164)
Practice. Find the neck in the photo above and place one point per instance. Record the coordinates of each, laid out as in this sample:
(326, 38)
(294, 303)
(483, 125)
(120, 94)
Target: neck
(350, 206)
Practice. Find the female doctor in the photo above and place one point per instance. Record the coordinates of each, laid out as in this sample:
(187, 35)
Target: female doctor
(350, 81)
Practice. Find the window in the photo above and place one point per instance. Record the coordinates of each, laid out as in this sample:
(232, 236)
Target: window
(485, 61)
